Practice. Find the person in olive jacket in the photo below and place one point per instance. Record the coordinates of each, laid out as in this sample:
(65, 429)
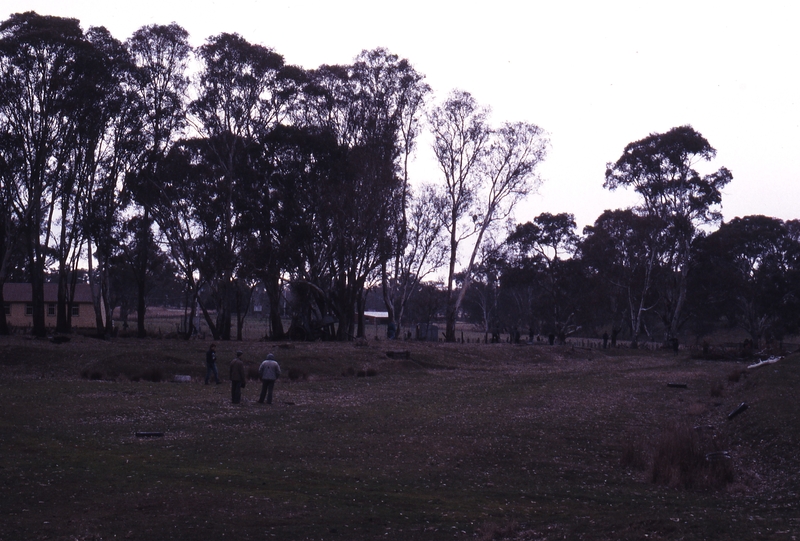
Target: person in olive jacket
(211, 363)
(238, 378)
(269, 371)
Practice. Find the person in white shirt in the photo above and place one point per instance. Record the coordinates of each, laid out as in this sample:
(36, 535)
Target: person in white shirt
(269, 371)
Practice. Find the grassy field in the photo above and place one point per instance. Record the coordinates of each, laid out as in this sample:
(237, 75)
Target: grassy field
(462, 441)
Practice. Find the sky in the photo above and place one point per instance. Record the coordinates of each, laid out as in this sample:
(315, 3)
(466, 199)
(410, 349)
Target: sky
(594, 75)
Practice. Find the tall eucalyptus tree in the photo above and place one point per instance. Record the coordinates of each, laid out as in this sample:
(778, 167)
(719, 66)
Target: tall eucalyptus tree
(161, 55)
(486, 173)
(366, 107)
(47, 72)
(661, 169)
(546, 243)
(239, 99)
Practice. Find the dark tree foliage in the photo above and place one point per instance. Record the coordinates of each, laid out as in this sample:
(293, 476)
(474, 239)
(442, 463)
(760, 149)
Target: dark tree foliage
(160, 54)
(239, 99)
(748, 273)
(115, 153)
(486, 172)
(290, 220)
(10, 256)
(51, 76)
(541, 246)
(483, 302)
(363, 195)
(620, 260)
(660, 168)
(261, 173)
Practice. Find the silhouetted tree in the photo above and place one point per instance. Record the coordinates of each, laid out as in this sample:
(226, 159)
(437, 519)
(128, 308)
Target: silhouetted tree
(620, 254)
(161, 54)
(47, 73)
(660, 168)
(486, 172)
(360, 106)
(115, 153)
(749, 271)
(547, 240)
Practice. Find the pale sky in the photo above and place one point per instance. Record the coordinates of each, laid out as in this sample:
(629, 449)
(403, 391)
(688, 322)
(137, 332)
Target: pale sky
(595, 75)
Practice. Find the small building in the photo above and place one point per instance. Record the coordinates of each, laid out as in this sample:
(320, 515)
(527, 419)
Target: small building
(19, 306)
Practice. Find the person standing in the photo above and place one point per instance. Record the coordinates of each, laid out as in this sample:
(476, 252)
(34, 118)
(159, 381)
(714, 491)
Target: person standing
(269, 371)
(238, 378)
(211, 363)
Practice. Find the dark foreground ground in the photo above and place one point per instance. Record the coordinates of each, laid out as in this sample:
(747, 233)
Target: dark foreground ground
(455, 442)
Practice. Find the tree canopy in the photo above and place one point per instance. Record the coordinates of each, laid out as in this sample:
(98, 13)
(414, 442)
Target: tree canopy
(220, 172)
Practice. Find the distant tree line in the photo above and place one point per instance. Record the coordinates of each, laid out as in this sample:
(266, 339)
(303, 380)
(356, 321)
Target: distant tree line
(244, 171)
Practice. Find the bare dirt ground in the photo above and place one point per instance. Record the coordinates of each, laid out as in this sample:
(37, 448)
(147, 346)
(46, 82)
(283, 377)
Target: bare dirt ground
(432, 441)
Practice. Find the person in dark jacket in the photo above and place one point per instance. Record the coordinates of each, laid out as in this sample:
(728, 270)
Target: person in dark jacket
(238, 378)
(269, 371)
(211, 363)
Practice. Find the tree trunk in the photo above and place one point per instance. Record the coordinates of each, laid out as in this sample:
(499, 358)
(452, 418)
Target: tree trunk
(272, 286)
(140, 269)
(360, 304)
(97, 293)
(4, 330)
(388, 297)
(210, 322)
(37, 290)
(62, 325)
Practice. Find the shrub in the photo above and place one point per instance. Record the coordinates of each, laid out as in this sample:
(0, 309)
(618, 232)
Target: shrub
(91, 374)
(633, 454)
(296, 374)
(736, 375)
(153, 374)
(684, 459)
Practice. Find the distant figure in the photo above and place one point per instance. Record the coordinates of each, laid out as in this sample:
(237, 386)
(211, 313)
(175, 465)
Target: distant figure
(238, 378)
(614, 334)
(211, 363)
(605, 340)
(551, 338)
(269, 371)
(747, 347)
(391, 329)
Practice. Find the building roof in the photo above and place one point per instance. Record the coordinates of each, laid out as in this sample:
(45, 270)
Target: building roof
(15, 292)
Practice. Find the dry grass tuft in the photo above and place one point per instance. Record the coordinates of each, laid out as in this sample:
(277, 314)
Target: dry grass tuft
(683, 458)
(634, 455)
(736, 375)
(154, 374)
